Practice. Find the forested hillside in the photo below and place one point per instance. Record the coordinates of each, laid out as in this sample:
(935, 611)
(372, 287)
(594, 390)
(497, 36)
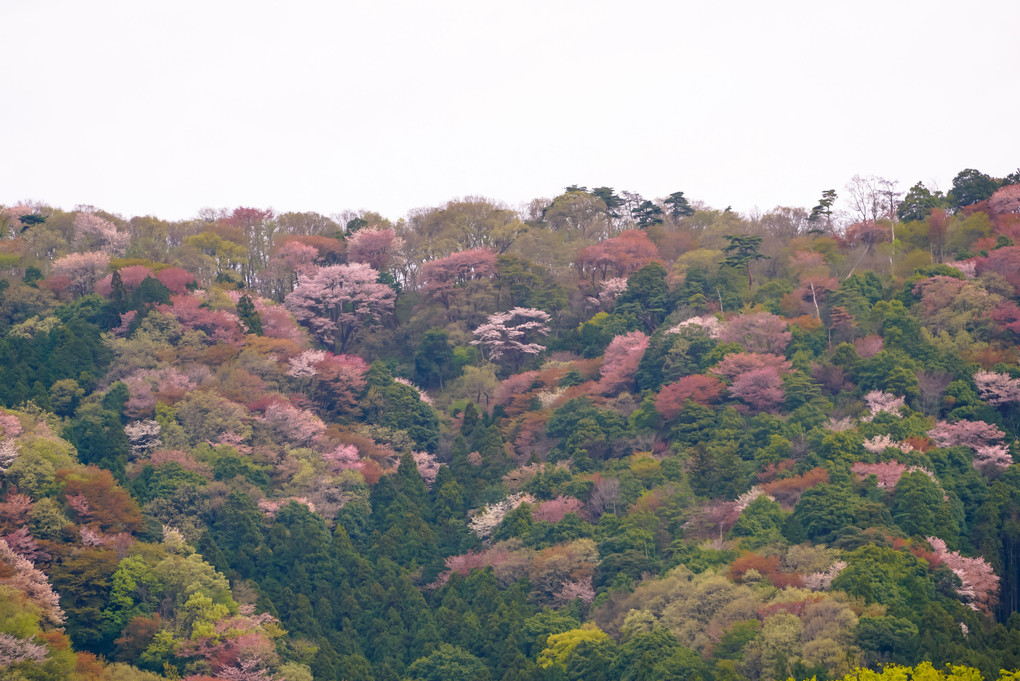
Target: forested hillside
(596, 438)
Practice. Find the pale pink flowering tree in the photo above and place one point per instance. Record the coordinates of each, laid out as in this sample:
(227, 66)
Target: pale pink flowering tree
(711, 325)
(443, 276)
(996, 389)
(1006, 200)
(510, 334)
(821, 581)
(971, 434)
(428, 467)
(95, 233)
(621, 360)
(81, 270)
(761, 332)
(484, 522)
(573, 589)
(10, 426)
(143, 436)
(609, 291)
(882, 402)
(336, 302)
(979, 585)
(343, 457)
(991, 459)
(740, 363)
(14, 650)
(20, 574)
(761, 388)
(554, 510)
(8, 453)
(374, 246)
(297, 426)
(306, 364)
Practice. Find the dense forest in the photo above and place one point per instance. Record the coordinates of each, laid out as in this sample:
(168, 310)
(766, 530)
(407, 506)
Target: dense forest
(599, 437)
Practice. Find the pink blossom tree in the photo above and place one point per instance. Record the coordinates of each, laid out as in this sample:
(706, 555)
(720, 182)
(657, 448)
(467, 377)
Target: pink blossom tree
(22, 575)
(441, 278)
(621, 360)
(761, 388)
(554, 510)
(979, 585)
(510, 334)
(81, 270)
(761, 332)
(428, 467)
(971, 434)
(997, 389)
(377, 247)
(337, 301)
(882, 402)
(740, 363)
(94, 233)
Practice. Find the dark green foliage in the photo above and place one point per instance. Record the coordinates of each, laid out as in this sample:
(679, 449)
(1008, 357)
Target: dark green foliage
(249, 315)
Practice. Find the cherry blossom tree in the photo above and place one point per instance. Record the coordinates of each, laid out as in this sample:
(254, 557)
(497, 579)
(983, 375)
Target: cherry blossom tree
(882, 402)
(94, 233)
(554, 510)
(1006, 200)
(761, 332)
(979, 585)
(971, 434)
(609, 290)
(711, 325)
(485, 521)
(428, 467)
(442, 277)
(374, 246)
(81, 270)
(510, 334)
(337, 301)
(761, 388)
(618, 256)
(621, 360)
(20, 574)
(997, 389)
(740, 363)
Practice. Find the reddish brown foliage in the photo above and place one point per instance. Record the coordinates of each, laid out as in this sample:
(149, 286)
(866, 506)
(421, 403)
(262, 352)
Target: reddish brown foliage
(698, 388)
(619, 256)
(787, 491)
(112, 508)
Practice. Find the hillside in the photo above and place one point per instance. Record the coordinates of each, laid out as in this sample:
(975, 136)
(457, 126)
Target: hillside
(600, 437)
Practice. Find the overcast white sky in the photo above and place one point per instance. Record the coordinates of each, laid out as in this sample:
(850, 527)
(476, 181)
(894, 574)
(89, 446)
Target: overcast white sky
(164, 107)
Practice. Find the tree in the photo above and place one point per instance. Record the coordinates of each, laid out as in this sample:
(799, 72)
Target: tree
(621, 361)
(374, 246)
(511, 334)
(918, 203)
(81, 270)
(441, 278)
(619, 256)
(647, 214)
(678, 206)
(824, 208)
(971, 186)
(338, 301)
(248, 315)
(743, 250)
(448, 663)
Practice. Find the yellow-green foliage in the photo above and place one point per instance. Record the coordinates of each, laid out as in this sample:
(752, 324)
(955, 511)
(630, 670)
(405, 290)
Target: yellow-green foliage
(559, 646)
(924, 672)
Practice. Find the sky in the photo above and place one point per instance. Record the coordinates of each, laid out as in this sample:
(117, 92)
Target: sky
(161, 107)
